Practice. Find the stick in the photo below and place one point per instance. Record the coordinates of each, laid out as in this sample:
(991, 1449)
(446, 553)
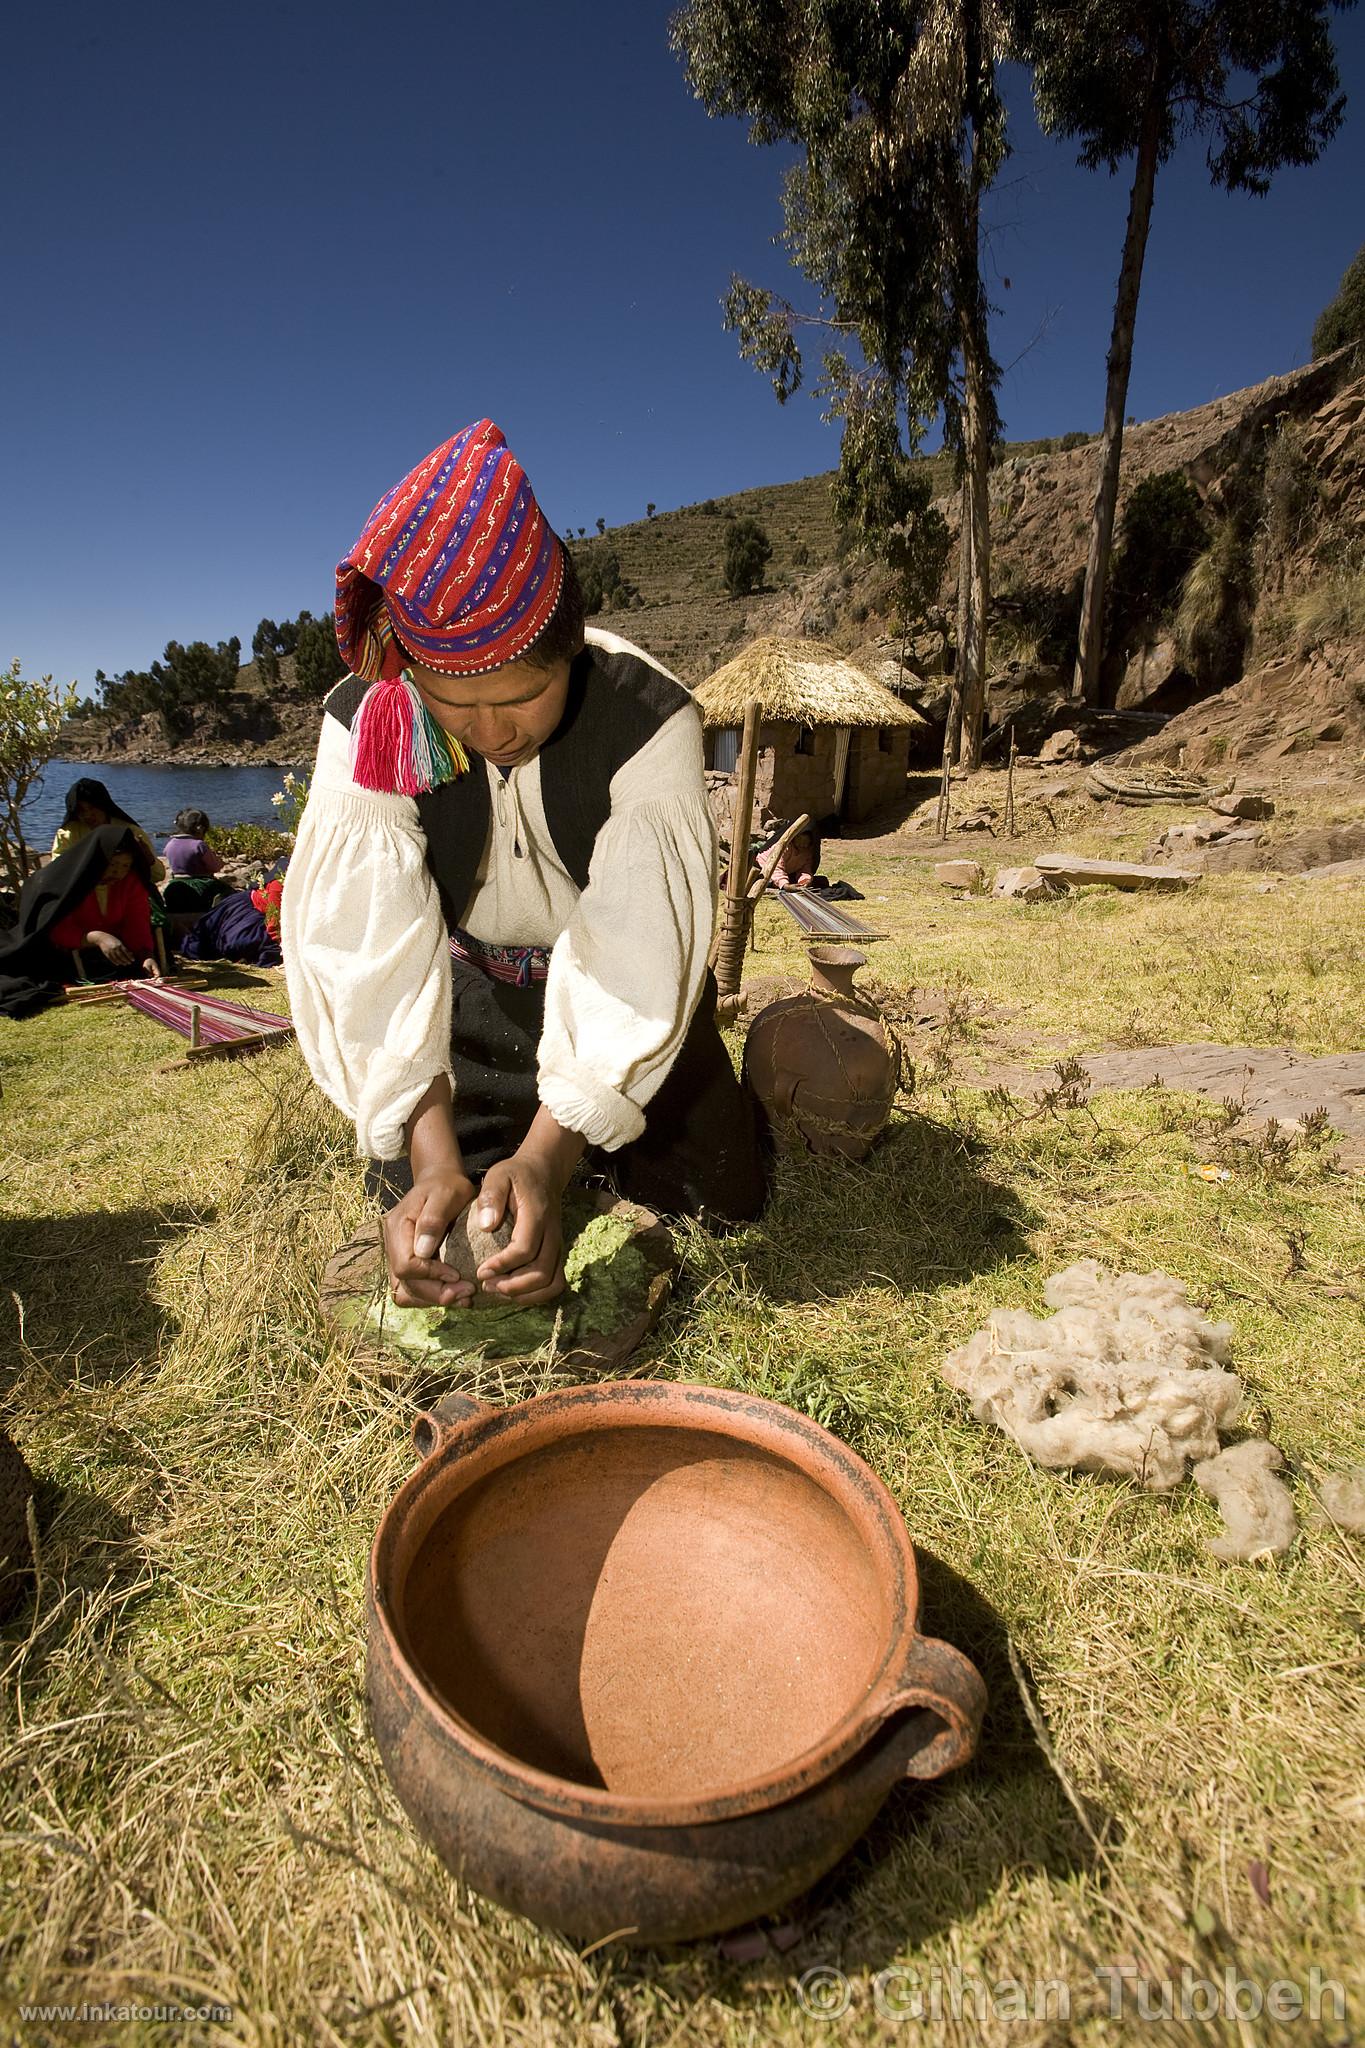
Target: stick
(194, 1027)
(735, 909)
(1009, 788)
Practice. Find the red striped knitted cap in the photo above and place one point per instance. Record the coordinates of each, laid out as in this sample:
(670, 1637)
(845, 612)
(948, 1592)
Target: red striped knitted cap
(457, 560)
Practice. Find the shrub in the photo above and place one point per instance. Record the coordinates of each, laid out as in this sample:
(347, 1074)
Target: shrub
(31, 716)
(1334, 609)
(1214, 614)
(747, 554)
(1344, 320)
(1072, 440)
(800, 555)
(249, 842)
(1161, 535)
(1293, 499)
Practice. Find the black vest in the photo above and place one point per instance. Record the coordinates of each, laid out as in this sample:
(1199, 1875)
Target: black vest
(616, 704)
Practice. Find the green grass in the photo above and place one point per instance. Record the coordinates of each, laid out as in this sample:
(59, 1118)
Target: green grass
(191, 1807)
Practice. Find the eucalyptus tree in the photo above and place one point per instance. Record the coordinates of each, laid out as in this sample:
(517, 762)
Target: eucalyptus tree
(1132, 78)
(892, 106)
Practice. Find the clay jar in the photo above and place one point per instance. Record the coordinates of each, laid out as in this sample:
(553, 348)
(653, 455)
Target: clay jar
(823, 1064)
(644, 1657)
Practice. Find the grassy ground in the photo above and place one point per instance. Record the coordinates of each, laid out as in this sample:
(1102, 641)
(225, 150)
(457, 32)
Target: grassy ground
(191, 1809)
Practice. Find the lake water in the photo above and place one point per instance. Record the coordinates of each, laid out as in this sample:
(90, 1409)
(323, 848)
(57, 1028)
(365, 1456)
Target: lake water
(231, 796)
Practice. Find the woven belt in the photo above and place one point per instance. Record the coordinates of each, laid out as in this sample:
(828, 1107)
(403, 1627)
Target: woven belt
(517, 965)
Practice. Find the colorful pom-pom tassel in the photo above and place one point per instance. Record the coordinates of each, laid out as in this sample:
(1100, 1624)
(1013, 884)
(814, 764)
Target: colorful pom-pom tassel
(396, 744)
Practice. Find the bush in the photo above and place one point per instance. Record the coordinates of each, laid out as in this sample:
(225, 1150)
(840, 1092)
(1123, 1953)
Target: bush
(31, 717)
(1344, 320)
(1214, 615)
(1334, 609)
(800, 555)
(1073, 440)
(1292, 497)
(249, 842)
(747, 554)
(1161, 535)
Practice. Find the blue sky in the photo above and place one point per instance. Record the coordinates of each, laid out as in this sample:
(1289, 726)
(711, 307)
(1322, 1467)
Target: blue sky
(262, 258)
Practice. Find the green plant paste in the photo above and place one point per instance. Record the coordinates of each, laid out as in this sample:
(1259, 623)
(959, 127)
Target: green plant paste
(608, 1283)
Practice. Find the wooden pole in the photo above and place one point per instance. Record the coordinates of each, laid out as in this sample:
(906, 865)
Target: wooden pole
(734, 910)
(194, 1027)
(1009, 787)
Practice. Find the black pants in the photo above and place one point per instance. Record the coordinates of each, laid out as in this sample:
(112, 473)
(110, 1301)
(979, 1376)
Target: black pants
(700, 1153)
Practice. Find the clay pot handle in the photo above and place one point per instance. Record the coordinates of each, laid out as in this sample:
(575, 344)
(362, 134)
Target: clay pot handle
(438, 1423)
(939, 1680)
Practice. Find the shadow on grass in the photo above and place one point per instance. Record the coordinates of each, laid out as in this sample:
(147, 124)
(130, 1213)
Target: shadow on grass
(917, 1214)
(78, 1288)
(92, 1566)
(936, 1852)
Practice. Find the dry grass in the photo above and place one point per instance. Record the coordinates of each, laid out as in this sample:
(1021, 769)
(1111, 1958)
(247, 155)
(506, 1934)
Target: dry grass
(191, 1809)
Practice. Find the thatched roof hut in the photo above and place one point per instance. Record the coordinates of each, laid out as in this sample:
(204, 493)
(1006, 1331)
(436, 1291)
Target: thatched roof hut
(834, 741)
(799, 682)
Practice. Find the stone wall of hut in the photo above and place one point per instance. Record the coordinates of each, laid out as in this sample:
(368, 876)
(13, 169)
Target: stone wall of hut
(876, 773)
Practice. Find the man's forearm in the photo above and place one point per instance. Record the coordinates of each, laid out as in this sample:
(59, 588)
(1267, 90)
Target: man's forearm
(554, 1148)
(432, 1144)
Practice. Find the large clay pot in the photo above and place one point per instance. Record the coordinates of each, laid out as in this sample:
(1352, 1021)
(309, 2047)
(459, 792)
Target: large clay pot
(823, 1064)
(643, 1658)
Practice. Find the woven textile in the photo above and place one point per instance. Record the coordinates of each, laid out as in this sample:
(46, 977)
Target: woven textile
(220, 1022)
(457, 560)
(518, 965)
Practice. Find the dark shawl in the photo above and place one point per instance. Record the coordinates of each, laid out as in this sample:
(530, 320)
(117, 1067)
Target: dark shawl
(32, 969)
(89, 791)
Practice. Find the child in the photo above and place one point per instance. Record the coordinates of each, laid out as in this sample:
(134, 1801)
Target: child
(500, 901)
(187, 852)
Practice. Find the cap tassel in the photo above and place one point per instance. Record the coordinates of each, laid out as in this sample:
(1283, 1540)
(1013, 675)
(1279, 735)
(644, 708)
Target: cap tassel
(396, 745)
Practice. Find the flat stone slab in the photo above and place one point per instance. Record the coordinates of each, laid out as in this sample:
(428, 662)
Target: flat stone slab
(1267, 1082)
(1116, 874)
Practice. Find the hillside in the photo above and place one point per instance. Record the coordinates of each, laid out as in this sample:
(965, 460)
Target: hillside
(1284, 461)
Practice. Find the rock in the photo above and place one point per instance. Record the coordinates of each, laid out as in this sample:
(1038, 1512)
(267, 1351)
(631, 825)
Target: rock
(1062, 746)
(1217, 837)
(924, 817)
(467, 1246)
(1332, 729)
(1155, 680)
(1020, 686)
(1249, 805)
(960, 874)
(1025, 885)
(1117, 874)
(982, 820)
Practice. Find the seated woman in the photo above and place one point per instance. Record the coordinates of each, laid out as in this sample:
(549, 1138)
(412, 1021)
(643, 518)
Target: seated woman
(88, 807)
(797, 866)
(194, 866)
(244, 926)
(113, 920)
(88, 908)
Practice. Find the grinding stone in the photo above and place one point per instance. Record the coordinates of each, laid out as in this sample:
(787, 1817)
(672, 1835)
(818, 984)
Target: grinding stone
(467, 1246)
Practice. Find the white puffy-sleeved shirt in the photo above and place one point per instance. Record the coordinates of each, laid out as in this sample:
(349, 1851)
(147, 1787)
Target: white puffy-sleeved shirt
(601, 849)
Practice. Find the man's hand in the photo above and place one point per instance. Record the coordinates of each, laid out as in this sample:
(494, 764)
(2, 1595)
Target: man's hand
(528, 1187)
(414, 1231)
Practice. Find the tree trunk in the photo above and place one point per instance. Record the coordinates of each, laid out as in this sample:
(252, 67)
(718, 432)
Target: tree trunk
(1086, 682)
(976, 508)
(958, 694)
